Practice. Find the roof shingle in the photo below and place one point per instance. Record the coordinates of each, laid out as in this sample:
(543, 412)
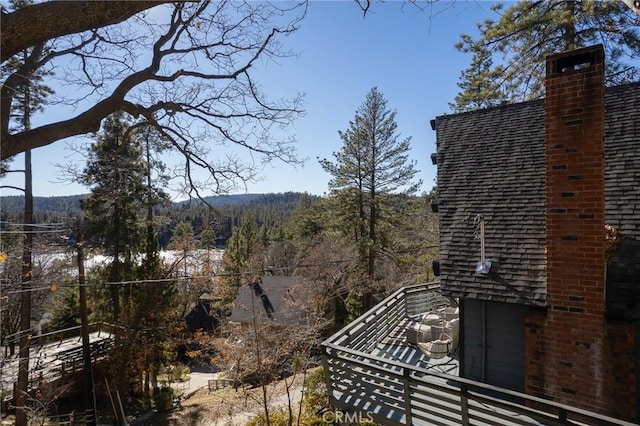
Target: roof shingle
(491, 162)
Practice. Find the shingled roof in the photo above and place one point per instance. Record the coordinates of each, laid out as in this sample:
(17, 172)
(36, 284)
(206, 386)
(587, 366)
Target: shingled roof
(491, 163)
(285, 294)
(622, 199)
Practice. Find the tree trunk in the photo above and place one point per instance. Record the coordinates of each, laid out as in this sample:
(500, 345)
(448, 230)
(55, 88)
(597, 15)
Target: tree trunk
(121, 330)
(22, 388)
(146, 383)
(89, 398)
(372, 240)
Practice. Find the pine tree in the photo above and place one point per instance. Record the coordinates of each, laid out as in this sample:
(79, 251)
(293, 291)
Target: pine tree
(184, 242)
(480, 83)
(156, 178)
(115, 172)
(152, 300)
(306, 220)
(372, 165)
(183, 238)
(241, 257)
(508, 62)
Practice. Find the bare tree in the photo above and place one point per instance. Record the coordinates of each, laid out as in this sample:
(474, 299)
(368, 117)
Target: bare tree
(266, 351)
(432, 7)
(10, 277)
(185, 68)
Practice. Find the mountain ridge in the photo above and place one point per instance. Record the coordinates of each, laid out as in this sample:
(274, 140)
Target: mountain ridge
(12, 205)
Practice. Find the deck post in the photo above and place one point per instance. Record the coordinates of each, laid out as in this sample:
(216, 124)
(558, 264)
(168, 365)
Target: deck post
(562, 416)
(464, 406)
(407, 397)
(404, 299)
(327, 376)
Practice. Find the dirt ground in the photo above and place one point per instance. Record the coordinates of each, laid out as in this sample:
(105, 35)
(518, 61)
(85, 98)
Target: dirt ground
(228, 407)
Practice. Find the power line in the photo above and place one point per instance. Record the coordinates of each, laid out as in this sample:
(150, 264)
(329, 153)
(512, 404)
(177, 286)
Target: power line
(52, 231)
(186, 277)
(180, 278)
(35, 225)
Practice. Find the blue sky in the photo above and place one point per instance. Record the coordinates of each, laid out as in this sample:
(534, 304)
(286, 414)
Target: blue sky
(409, 55)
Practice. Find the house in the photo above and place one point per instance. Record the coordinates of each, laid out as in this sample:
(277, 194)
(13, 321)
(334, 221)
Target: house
(285, 294)
(201, 317)
(526, 191)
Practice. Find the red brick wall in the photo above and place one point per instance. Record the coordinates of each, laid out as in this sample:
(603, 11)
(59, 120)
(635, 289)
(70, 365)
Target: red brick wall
(621, 341)
(535, 350)
(568, 350)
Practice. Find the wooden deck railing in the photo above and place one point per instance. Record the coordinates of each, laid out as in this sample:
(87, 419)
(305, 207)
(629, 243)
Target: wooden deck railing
(61, 359)
(397, 393)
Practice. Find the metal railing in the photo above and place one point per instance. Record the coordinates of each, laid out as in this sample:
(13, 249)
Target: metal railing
(397, 393)
(369, 329)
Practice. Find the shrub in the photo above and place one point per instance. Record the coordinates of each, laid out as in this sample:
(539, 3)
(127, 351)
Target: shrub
(276, 418)
(179, 373)
(163, 400)
(315, 395)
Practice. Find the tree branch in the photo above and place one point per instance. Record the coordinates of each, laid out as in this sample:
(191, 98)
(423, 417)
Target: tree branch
(193, 84)
(58, 18)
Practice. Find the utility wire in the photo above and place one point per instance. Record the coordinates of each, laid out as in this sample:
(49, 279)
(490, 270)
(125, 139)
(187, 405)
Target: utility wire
(35, 225)
(178, 278)
(53, 231)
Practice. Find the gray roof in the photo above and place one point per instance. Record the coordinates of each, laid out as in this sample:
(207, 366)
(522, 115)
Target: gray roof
(491, 162)
(285, 294)
(622, 198)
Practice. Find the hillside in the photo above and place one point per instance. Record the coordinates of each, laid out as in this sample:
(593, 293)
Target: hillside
(225, 213)
(13, 205)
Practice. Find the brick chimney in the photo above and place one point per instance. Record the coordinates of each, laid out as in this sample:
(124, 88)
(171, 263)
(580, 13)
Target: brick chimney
(568, 356)
(574, 132)
(575, 355)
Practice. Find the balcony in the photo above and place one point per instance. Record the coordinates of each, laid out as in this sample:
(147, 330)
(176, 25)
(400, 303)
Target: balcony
(373, 371)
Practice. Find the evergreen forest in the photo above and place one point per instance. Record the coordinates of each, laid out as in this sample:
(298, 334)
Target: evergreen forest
(223, 212)
(162, 279)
